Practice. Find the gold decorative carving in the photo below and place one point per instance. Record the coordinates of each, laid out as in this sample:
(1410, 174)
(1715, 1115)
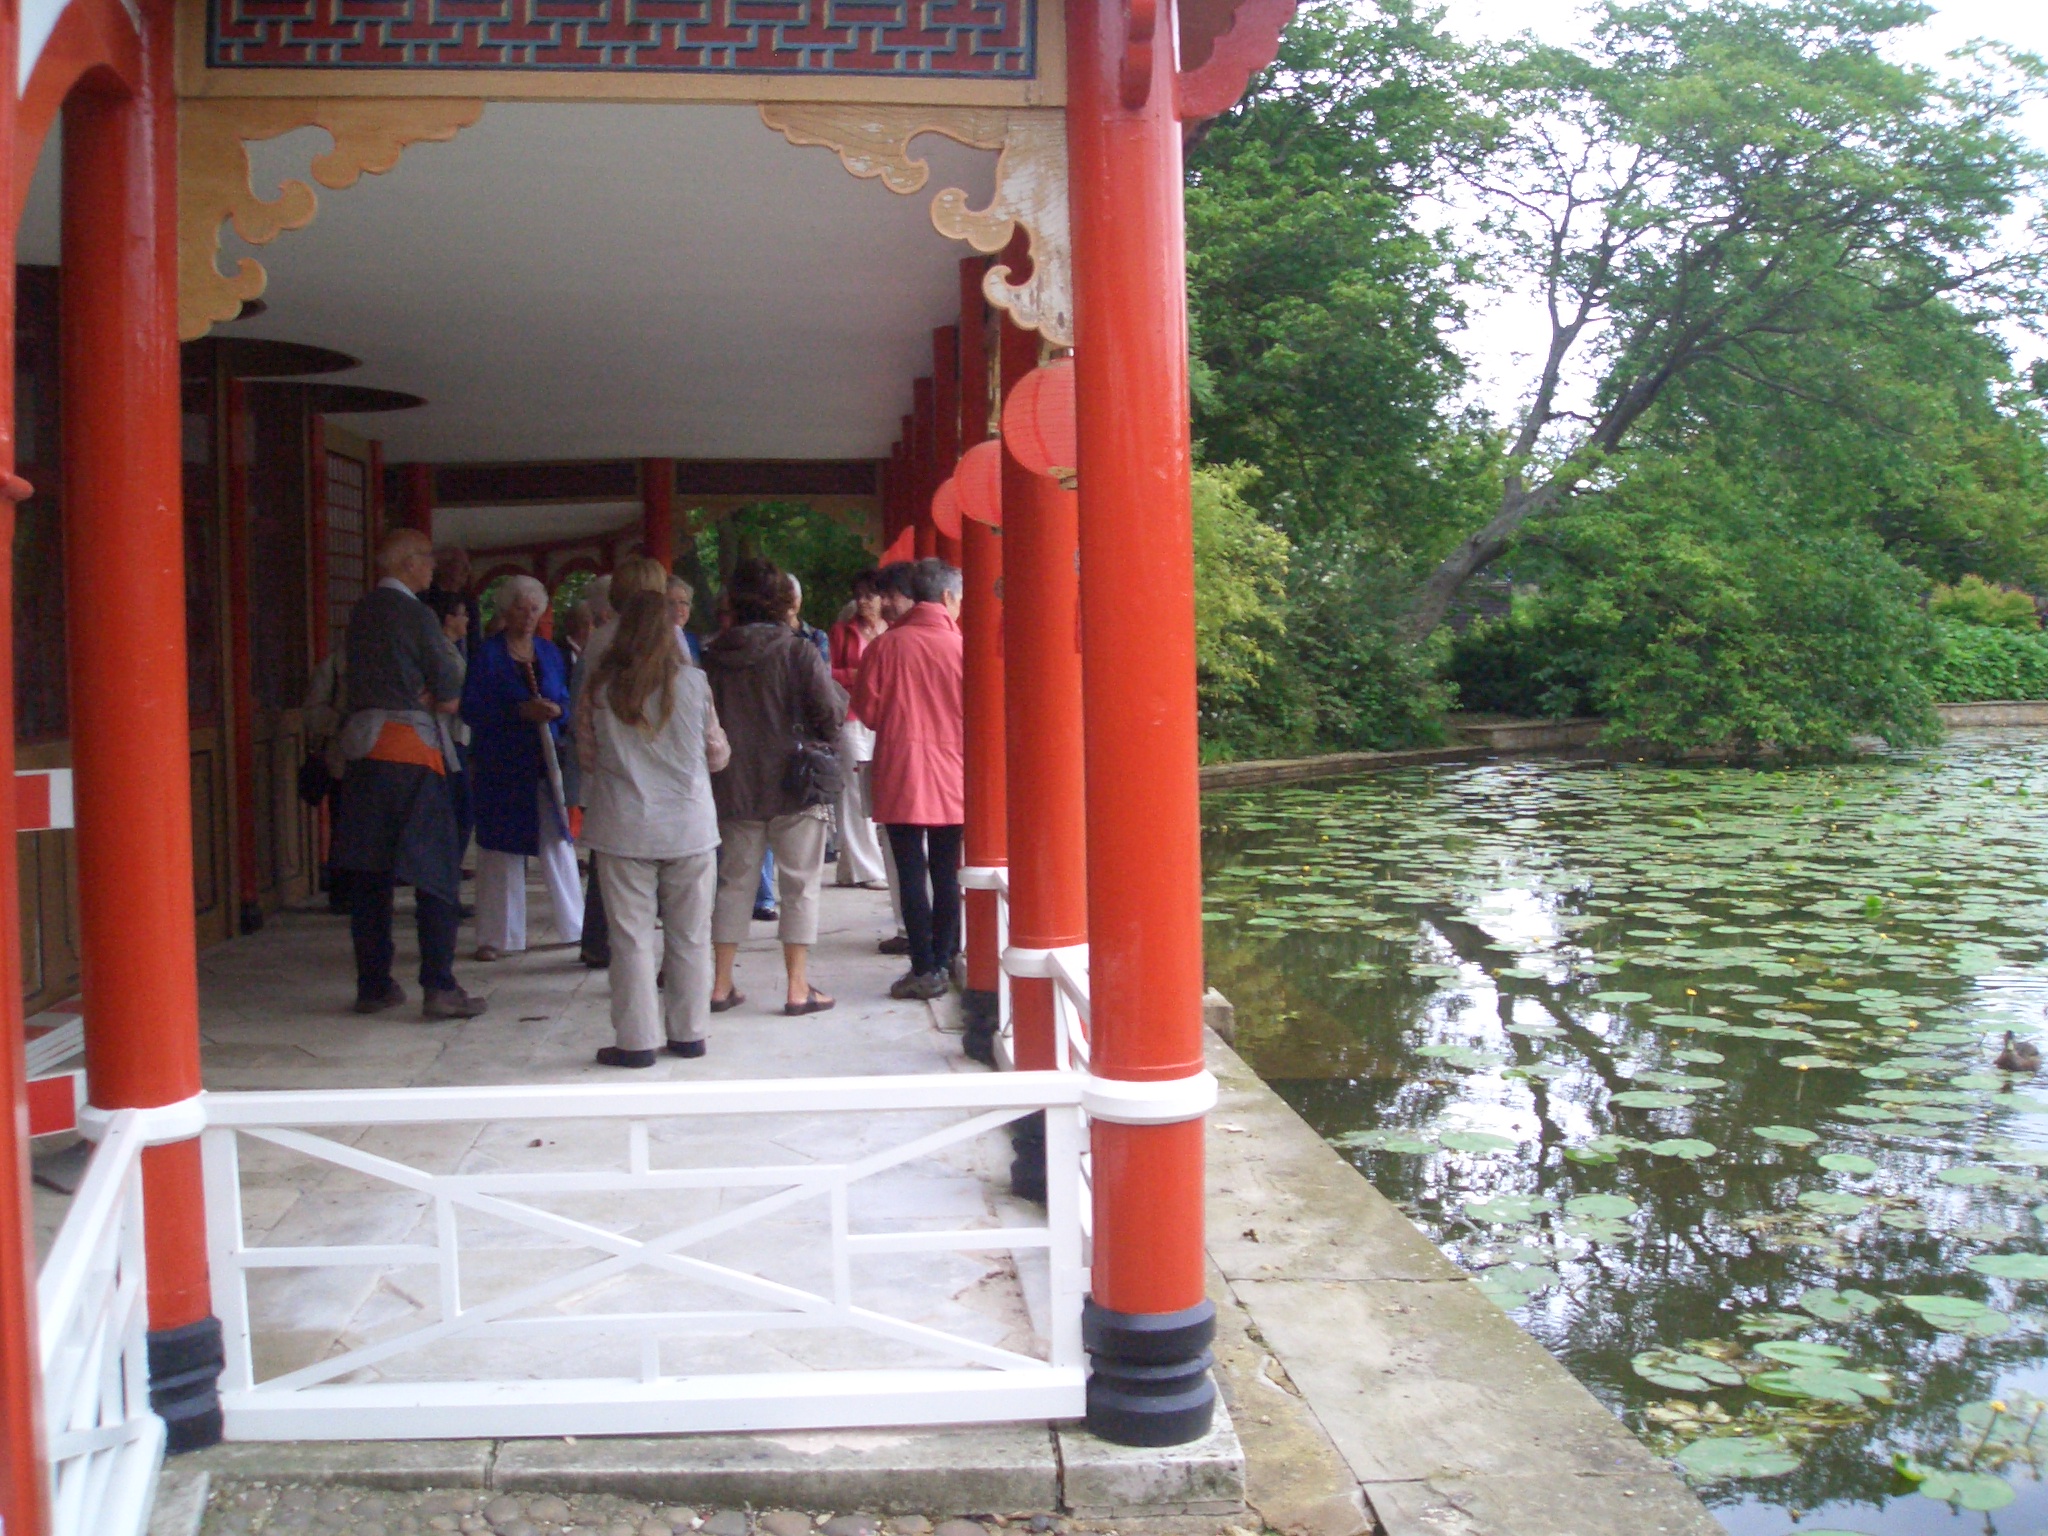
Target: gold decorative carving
(873, 142)
(215, 186)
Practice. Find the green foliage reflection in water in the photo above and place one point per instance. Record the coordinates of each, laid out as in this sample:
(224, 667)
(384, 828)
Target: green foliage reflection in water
(1500, 988)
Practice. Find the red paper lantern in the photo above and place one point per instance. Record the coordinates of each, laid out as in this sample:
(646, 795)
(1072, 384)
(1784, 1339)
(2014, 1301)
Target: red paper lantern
(1038, 421)
(946, 508)
(980, 477)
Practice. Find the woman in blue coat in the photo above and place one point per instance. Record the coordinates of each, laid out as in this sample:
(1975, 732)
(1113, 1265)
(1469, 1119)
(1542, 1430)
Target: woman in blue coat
(516, 702)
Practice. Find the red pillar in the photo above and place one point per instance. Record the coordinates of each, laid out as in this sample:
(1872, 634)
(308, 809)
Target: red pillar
(923, 460)
(1148, 1324)
(986, 840)
(241, 661)
(23, 1485)
(658, 510)
(131, 738)
(945, 425)
(419, 498)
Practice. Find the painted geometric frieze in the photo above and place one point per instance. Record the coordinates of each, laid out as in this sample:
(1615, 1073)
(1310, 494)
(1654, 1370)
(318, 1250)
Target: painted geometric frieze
(215, 186)
(919, 39)
(873, 142)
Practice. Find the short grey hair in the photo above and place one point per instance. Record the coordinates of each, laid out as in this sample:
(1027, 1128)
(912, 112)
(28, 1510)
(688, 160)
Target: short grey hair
(518, 589)
(933, 581)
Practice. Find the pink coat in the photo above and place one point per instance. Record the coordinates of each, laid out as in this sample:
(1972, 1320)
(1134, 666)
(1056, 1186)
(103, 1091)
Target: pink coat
(908, 692)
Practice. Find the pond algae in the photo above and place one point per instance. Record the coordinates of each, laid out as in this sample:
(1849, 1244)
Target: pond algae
(1692, 1068)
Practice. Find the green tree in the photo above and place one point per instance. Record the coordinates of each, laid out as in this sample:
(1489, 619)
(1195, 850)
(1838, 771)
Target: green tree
(1321, 299)
(1240, 584)
(1731, 185)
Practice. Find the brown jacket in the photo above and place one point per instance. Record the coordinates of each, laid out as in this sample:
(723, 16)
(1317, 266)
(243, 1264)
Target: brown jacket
(771, 687)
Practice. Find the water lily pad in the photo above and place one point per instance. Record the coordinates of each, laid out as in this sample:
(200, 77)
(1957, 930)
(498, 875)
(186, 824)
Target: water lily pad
(1846, 1162)
(1833, 1202)
(1958, 1314)
(1718, 1458)
(1687, 1147)
(1621, 997)
(1810, 1061)
(1978, 1491)
(1788, 1135)
(1969, 1175)
(1612, 1207)
(1684, 1372)
(1824, 1382)
(1509, 1210)
(1407, 1143)
(1477, 1141)
(2010, 1266)
(1644, 1098)
(1801, 1352)
(1832, 1306)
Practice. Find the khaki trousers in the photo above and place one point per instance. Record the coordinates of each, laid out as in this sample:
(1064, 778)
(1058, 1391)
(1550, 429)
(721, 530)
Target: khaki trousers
(799, 845)
(679, 891)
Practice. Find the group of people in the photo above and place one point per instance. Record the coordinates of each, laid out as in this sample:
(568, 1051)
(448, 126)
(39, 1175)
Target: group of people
(697, 765)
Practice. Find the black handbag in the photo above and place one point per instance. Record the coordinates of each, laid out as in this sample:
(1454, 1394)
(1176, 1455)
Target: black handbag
(814, 775)
(316, 781)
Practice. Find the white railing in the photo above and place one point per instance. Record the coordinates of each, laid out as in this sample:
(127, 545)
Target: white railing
(789, 1243)
(105, 1444)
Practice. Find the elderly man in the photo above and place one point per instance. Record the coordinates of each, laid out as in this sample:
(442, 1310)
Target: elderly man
(909, 693)
(397, 823)
(451, 582)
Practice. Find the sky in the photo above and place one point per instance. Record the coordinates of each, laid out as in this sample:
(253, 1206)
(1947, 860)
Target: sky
(1503, 333)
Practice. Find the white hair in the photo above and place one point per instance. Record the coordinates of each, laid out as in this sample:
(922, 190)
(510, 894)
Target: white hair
(798, 588)
(518, 589)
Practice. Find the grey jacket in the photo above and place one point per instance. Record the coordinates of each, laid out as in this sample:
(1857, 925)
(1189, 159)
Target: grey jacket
(396, 652)
(771, 687)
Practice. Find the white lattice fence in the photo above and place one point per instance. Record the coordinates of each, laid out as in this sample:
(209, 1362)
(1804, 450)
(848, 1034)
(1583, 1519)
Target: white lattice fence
(680, 1269)
(105, 1444)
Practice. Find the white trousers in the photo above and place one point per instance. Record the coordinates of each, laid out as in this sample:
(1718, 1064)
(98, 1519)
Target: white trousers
(501, 889)
(678, 892)
(860, 843)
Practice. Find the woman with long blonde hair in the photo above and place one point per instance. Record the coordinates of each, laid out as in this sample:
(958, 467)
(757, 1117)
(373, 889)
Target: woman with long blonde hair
(649, 744)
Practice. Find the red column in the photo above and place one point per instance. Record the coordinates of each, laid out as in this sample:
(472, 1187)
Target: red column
(1148, 1324)
(241, 662)
(923, 460)
(419, 498)
(316, 484)
(23, 1488)
(986, 842)
(130, 735)
(658, 510)
(945, 425)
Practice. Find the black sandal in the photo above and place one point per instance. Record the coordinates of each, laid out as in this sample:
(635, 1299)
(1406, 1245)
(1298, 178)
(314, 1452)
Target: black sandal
(731, 999)
(817, 1002)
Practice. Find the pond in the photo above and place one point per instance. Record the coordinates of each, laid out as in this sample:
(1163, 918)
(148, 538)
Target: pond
(1695, 1069)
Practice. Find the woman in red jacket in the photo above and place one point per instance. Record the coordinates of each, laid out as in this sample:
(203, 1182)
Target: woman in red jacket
(860, 846)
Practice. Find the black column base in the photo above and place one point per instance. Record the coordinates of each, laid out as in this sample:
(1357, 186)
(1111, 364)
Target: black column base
(250, 918)
(1150, 1385)
(983, 1014)
(1027, 1161)
(184, 1383)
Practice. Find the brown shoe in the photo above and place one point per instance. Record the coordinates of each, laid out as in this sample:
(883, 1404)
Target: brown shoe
(898, 945)
(452, 1004)
(392, 995)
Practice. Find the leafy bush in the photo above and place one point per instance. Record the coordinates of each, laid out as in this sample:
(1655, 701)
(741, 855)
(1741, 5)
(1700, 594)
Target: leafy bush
(1973, 600)
(1240, 582)
(1693, 612)
(1337, 678)
(1972, 662)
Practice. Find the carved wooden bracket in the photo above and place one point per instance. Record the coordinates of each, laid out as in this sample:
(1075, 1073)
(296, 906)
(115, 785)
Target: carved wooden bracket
(1249, 43)
(214, 184)
(873, 142)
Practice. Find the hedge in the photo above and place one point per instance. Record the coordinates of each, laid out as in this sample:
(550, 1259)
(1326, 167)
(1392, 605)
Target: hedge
(1975, 663)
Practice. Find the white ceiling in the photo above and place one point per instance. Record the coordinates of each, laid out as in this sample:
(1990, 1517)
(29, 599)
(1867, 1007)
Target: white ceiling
(568, 281)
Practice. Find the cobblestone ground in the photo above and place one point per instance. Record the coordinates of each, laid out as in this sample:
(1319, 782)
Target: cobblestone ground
(292, 1509)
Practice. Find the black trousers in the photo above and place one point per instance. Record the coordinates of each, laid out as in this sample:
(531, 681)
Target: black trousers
(370, 927)
(928, 867)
